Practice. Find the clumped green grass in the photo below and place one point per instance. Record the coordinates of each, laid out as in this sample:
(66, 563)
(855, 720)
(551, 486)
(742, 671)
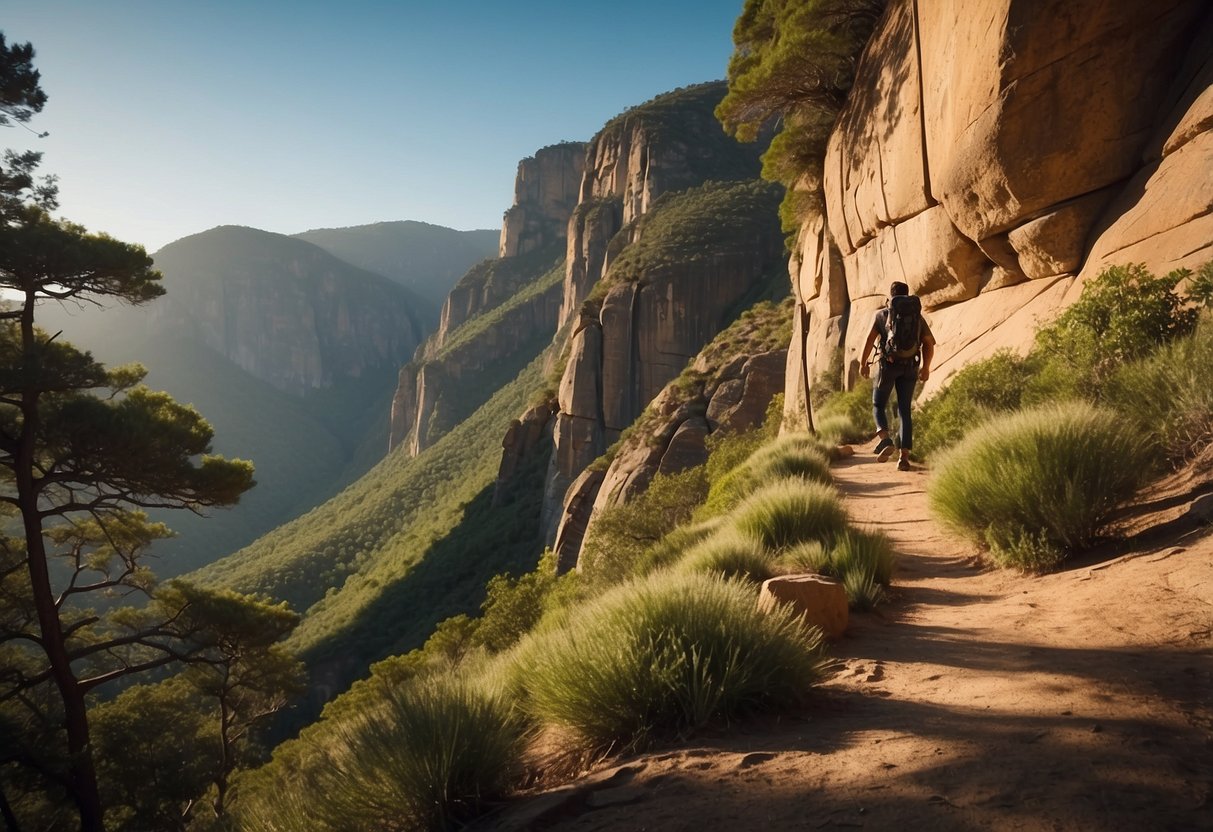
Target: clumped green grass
(790, 456)
(862, 560)
(441, 748)
(427, 757)
(732, 554)
(662, 657)
(1041, 483)
(791, 511)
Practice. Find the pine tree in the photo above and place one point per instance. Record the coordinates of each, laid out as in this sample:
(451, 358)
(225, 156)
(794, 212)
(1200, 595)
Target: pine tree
(83, 451)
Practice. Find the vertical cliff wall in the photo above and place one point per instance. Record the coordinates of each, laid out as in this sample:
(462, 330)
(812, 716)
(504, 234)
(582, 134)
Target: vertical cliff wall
(545, 191)
(996, 154)
(501, 313)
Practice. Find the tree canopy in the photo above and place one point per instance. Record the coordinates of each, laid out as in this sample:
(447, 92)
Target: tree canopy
(84, 449)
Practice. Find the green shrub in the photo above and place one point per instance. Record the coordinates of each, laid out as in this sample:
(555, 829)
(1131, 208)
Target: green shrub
(619, 538)
(1039, 484)
(980, 390)
(789, 512)
(440, 748)
(854, 404)
(661, 657)
(1122, 315)
(729, 553)
(1168, 394)
(792, 455)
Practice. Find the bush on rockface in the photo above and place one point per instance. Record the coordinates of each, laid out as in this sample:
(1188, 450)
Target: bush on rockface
(1040, 484)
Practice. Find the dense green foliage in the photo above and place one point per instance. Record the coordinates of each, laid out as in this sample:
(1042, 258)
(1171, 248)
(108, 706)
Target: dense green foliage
(425, 258)
(664, 656)
(795, 63)
(426, 757)
(708, 223)
(788, 456)
(1038, 485)
(1110, 347)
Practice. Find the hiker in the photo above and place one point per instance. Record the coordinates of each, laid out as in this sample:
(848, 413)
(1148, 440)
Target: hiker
(906, 349)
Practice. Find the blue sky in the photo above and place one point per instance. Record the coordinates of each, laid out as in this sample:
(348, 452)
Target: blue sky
(168, 117)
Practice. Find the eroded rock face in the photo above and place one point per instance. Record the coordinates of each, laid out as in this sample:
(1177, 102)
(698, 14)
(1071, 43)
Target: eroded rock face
(734, 397)
(545, 190)
(460, 365)
(996, 154)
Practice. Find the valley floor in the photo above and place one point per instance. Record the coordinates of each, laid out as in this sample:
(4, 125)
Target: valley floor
(976, 699)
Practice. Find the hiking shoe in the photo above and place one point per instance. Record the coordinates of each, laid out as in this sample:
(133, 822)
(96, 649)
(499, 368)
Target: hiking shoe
(903, 465)
(883, 449)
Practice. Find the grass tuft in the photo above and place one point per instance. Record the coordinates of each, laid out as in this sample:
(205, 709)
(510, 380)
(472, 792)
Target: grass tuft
(1041, 483)
(791, 511)
(732, 554)
(427, 758)
(662, 657)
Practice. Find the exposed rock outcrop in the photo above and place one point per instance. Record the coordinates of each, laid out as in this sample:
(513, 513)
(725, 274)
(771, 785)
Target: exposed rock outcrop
(545, 191)
(684, 272)
(500, 314)
(728, 387)
(995, 155)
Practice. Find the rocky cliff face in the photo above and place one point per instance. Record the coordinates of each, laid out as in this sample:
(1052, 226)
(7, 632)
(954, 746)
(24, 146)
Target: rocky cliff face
(500, 314)
(995, 155)
(282, 309)
(668, 144)
(727, 387)
(545, 192)
(682, 273)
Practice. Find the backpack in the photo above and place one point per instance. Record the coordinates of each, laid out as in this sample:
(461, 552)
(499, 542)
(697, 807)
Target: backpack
(905, 328)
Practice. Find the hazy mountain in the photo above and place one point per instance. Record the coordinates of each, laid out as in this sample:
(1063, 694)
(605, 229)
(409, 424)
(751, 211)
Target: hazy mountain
(427, 259)
(291, 353)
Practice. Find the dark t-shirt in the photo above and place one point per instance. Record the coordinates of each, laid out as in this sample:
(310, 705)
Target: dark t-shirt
(880, 323)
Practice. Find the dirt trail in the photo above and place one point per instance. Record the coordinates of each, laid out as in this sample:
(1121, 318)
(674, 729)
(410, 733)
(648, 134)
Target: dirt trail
(977, 699)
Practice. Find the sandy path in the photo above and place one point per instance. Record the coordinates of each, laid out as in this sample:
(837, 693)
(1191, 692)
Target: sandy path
(977, 699)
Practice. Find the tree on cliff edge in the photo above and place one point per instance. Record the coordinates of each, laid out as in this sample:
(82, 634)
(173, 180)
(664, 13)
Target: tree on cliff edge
(794, 62)
(83, 450)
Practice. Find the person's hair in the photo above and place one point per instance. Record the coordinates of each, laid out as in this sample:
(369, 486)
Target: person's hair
(898, 288)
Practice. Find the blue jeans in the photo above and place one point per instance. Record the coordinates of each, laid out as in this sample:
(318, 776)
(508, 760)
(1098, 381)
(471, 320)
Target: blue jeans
(901, 377)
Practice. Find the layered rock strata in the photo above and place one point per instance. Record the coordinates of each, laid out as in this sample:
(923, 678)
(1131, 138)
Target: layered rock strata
(995, 155)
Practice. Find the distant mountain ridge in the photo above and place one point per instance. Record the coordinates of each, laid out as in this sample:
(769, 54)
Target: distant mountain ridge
(285, 310)
(427, 259)
(290, 352)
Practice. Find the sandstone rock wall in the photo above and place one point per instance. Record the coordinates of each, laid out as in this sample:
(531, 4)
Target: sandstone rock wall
(433, 393)
(545, 190)
(996, 154)
(734, 397)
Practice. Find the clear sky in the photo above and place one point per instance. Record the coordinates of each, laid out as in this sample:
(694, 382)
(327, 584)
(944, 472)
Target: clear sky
(169, 117)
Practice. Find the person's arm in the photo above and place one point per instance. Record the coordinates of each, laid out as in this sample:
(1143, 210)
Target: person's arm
(864, 363)
(928, 352)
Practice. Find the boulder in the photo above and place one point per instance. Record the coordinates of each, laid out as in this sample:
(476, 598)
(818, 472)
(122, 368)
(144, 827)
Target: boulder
(821, 601)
